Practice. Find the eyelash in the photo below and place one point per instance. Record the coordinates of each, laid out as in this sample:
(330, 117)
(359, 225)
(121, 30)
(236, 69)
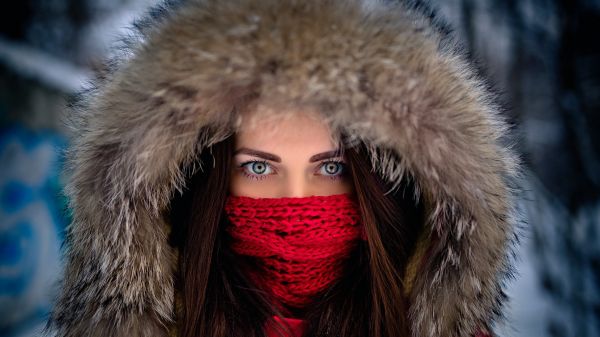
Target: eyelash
(261, 177)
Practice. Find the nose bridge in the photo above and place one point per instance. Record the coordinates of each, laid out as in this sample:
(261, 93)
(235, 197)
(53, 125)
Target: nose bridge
(297, 184)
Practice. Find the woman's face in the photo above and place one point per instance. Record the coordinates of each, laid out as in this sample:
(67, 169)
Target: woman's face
(289, 157)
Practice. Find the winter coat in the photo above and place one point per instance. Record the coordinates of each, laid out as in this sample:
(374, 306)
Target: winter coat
(388, 73)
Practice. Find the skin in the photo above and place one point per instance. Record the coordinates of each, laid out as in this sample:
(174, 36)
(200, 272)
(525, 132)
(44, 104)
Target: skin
(295, 140)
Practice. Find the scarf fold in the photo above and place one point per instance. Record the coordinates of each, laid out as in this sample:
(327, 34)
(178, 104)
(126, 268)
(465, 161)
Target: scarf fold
(299, 243)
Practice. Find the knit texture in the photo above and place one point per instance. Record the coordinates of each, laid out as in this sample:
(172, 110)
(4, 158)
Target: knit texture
(296, 327)
(299, 243)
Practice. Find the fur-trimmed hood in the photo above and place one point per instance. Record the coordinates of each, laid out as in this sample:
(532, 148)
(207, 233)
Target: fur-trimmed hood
(388, 74)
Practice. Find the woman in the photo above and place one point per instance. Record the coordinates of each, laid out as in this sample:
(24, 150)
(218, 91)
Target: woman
(168, 238)
(274, 164)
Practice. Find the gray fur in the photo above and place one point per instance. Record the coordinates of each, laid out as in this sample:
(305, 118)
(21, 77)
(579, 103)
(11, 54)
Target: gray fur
(383, 72)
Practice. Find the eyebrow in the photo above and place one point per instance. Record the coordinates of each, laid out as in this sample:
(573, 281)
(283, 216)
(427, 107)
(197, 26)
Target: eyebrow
(277, 159)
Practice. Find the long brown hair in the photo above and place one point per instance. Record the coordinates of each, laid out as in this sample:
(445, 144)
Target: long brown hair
(217, 300)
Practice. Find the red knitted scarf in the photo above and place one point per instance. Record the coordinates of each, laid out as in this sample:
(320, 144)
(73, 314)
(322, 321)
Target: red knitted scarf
(297, 242)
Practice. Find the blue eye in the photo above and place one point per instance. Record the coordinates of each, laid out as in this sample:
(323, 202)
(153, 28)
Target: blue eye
(333, 169)
(256, 169)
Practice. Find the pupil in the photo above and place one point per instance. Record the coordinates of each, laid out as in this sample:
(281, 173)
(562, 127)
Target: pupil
(259, 165)
(331, 168)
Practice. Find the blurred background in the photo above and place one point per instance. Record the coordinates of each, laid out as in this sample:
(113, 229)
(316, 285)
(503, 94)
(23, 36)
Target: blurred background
(543, 57)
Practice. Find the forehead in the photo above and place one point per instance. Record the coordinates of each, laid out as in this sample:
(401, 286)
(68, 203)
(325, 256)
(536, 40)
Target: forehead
(291, 129)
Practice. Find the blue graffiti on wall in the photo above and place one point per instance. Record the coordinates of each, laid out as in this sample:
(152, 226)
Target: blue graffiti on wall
(31, 226)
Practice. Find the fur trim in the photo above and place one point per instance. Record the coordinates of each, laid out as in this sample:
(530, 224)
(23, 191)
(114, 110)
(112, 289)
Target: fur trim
(386, 74)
